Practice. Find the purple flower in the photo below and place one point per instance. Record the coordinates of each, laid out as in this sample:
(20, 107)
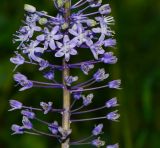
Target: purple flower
(28, 114)
(18, 59)
(114, 84)
(23, 81)
(97, 130)
(113, 146)
(77, 95)
(112, 103)
(88, 99)
(113, 116)
(32, 49)
(94, 3)
(108, 58)
(81, 36)
(85, 67)
(104, 29)
(64, 133)
(105, 9)
(43, 65)
(110, 42)
(15, 105)
(26, 123)
(53, 127)
(26, 32)
(70, 79)
(49, 38)
(100, 75)
(67, 48)
(97, 49)
(46, 106)
(17, 129)
(98, 143)
(49, 75)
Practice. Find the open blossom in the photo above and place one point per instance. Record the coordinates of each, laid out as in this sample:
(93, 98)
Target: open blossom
(67, 48)
(32, 49)
(23, 81)
(81, 35)
(97, 49)
(49, 38)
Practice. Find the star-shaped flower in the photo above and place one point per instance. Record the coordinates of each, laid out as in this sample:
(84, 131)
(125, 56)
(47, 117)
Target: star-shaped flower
(67, 48)
(49, 38)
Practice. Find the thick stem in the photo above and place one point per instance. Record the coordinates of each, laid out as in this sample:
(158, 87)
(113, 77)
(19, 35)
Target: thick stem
(66, 93)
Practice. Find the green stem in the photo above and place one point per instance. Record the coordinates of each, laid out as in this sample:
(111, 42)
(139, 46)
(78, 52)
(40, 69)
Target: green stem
(66, 93)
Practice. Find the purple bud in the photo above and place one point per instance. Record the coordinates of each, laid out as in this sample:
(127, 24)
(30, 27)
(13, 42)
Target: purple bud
(113, 146)
(100, 75)
(77, 95)
(49, 75)
(108, 58)
(28, 114)
(53, 127)
(23, 81)
(86, 68)
(97, 130)
(113, 116)
(112, 103)
(110, 43)
(43, 65)
(105, 9)
(64, 133)
(26, 123)
(46, 106)
(15, 105)
(18, 59)
(95, 3)
(17, 129)
(87, 100)
(114, 84)
(70, 79)
(98, 143)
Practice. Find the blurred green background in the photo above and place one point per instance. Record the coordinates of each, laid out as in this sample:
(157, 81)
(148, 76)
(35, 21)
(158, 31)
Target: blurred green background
(138, 29)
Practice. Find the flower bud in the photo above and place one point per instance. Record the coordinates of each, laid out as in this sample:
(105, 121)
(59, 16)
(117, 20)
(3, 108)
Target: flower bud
(29, 8)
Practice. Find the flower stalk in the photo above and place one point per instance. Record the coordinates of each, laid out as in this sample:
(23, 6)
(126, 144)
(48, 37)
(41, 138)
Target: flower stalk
(66, 93)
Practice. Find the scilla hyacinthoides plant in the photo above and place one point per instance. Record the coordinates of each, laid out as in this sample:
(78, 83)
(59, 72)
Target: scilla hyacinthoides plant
(62, 36)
